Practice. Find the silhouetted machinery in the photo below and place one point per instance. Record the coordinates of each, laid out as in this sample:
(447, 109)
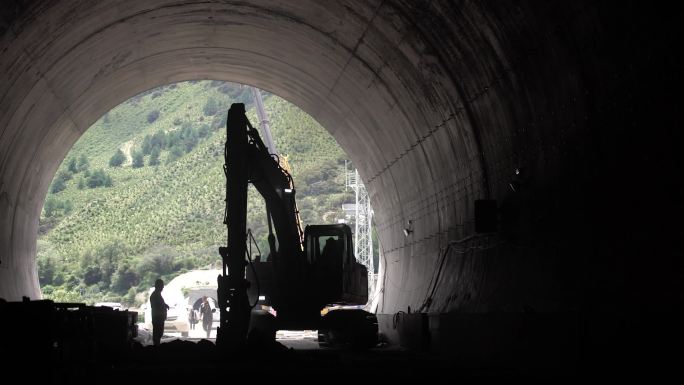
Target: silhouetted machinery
(304, 272)
(54, 333)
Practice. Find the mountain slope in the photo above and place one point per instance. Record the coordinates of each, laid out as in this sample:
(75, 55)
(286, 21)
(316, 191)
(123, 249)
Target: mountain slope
(109, 230)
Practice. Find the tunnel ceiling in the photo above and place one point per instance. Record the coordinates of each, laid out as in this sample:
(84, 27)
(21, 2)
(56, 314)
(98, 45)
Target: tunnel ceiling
(438, 104)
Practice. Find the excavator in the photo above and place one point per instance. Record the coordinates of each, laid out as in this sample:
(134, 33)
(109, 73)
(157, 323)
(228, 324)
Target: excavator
(305, 271)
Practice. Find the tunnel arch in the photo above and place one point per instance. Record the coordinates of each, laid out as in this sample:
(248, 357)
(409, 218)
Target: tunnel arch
(88, 66)
(438, 104)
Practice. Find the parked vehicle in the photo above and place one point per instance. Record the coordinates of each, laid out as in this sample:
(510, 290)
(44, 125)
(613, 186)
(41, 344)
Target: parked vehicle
(113, 305)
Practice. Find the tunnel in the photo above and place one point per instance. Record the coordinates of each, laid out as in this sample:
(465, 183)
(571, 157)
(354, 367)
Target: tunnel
(520, 156)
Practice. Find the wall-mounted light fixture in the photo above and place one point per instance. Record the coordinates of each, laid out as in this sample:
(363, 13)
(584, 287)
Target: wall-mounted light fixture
(515, 184)
(409, 228)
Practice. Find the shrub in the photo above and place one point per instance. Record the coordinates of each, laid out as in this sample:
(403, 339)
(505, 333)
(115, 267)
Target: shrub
(152, 116)
(99, 178)
(117, 159)
(59, 183)
(138, 159)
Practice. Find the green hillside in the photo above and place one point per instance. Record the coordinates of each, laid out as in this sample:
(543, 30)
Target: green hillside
(140, 195)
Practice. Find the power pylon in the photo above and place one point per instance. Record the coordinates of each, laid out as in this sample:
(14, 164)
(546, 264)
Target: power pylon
(363, 217)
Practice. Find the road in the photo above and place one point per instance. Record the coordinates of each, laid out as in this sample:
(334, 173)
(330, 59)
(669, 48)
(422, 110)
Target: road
(296, 339)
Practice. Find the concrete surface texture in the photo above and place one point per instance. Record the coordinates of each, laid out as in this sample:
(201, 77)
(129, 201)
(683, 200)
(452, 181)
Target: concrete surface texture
(561, 112)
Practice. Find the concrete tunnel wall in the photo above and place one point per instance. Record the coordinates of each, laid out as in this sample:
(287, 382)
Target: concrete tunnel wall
(437, 104)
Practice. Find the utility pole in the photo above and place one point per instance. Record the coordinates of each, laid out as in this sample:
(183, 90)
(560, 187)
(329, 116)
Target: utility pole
(263, 120)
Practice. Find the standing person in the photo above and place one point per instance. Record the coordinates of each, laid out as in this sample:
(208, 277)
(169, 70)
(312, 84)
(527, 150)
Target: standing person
(192, 317)
(159, 308)
(206, 315)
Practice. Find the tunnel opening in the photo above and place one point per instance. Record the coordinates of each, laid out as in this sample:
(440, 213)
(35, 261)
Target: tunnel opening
(438, 104)
(138, 197)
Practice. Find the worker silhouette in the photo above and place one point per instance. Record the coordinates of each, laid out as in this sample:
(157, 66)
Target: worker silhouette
(331, 251)
(206, 315)
(331, 256)
(192, 318)
(329, 265)
(159, 308)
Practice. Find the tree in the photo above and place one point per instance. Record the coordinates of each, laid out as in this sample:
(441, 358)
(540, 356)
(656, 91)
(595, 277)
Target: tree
(117, 159)
(219, 121)
(158, 140)
(83, 163)
(46, 270)
(73, 167)
(157, 261)
(59, 183)
(68, 206)
(108, 181)
(91, 274)
(98, 264)
(175, 153)
(131, 297)
(61, 295)
(189, 138)
(138, 159)
(147, 145)
(58, 279)
(154, 157)
(124, 277)
(51, 206)
(210, 108)
(99, 178)
(173, 138)
(71, 281)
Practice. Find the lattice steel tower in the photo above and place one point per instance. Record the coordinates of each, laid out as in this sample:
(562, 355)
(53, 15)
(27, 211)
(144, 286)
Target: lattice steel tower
(363, 238)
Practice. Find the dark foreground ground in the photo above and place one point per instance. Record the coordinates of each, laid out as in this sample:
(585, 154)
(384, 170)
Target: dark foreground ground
(201, 363)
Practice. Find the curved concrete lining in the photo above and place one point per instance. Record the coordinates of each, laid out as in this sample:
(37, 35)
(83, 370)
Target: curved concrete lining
(355, 67)
(437, 103)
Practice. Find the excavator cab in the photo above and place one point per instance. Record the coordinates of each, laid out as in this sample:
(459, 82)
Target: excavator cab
(331, 275)
(336, 274)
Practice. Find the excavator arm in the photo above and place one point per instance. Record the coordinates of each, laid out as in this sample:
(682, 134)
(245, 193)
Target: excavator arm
(276, 187)
(247, 160)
